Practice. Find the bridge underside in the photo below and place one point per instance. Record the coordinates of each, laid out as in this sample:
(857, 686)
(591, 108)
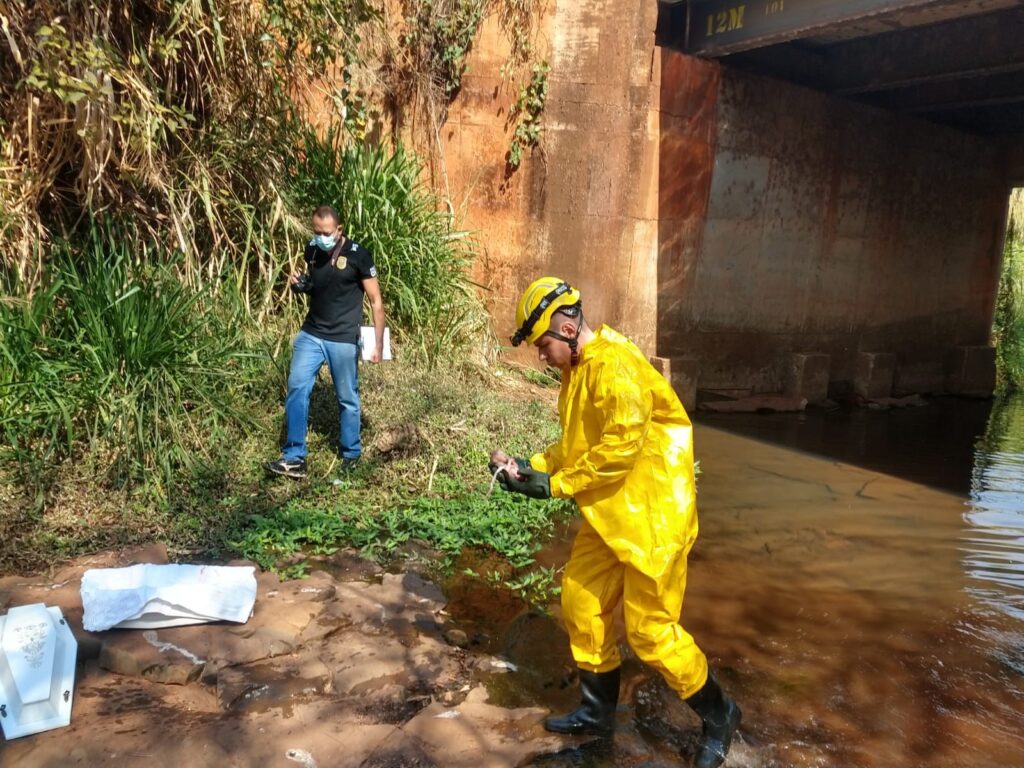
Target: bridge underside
(833, 187)
(959, 63)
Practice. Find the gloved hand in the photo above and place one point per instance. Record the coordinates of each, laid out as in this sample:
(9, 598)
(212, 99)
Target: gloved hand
(494, 465)
(531, 482)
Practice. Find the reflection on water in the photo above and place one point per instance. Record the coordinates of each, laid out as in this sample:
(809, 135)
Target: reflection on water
(861, 616)
(994, 541)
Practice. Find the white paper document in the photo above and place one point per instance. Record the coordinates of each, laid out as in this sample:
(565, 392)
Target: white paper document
(148, 596)
(368, 337)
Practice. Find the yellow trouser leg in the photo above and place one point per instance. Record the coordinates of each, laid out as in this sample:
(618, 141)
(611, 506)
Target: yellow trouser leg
(591, 587)
(652, 608)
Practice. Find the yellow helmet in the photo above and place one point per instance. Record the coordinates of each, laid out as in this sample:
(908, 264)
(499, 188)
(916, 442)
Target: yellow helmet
(541, 299)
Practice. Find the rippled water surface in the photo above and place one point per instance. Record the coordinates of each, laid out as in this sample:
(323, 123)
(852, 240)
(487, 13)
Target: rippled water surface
(858, 583)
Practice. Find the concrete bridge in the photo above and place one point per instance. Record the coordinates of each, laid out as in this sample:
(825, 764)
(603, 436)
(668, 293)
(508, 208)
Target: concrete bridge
(836, 234)
(779, 195)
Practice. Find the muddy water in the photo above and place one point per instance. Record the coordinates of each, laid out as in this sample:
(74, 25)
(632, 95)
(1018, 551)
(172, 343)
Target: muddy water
(858, 583)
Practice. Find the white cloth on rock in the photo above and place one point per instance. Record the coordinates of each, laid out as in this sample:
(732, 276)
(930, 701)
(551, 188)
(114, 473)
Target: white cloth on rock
(149, 596)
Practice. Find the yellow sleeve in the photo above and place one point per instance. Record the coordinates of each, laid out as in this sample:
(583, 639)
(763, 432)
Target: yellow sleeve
(549, 461)
(620, 411)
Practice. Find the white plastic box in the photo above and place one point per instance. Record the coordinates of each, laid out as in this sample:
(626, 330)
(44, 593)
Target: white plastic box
(37, 670)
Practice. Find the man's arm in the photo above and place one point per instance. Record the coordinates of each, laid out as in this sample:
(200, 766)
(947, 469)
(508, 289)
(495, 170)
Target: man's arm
(624, 407)
(372, 288)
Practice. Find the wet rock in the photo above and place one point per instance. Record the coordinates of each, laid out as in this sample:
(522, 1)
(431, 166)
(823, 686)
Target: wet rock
(757, 404)
(416, 551)
(177, 654)
(363, 661)
(272, 683)
(452, 698)
(495, 665)
(539, 648)
(407, 753)
(501, 738)
(333, 618)
(398, 598)
(456, 637)
(391, 703)
(318, 588)
(322, 674)
(326, 732)
(883, 403)
(347, 565)
(660, 711)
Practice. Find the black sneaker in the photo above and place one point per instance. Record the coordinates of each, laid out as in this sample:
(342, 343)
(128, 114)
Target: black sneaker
(349, 465)
(287, 467)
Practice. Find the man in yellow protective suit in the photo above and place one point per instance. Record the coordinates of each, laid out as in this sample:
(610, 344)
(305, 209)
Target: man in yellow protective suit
(626, 456)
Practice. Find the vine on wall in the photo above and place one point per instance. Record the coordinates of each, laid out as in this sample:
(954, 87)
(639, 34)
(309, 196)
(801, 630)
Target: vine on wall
(428, 64)
(526, 114)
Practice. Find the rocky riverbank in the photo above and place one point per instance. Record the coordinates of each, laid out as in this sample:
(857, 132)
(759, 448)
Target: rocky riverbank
(360, 668)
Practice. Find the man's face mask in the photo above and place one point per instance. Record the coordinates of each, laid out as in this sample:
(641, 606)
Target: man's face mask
(325, 242)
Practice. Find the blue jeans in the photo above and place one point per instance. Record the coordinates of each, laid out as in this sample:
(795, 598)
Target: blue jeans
(308, 354)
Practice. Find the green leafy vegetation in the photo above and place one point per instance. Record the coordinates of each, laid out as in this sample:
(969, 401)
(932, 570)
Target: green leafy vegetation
(505, 524)
(423, 259)
(439, 34)
(1008, 322)
(119, 361)
(526, 114)
(536, 586)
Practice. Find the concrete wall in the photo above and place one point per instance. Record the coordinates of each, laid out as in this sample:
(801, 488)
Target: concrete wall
(584, 205)
(827, 227)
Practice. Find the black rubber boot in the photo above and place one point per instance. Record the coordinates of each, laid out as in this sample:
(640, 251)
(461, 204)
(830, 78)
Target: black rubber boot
(596, 715)
(721, 716)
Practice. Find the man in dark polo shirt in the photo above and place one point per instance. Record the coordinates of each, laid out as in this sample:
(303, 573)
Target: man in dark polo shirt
(338, 274)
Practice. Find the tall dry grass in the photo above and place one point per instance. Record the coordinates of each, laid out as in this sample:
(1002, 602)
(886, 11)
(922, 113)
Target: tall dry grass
(177, 113)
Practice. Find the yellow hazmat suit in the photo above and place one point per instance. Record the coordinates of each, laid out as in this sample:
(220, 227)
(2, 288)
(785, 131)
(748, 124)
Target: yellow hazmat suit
(626, 457)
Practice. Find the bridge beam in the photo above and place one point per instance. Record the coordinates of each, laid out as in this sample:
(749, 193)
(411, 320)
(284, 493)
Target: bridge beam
(720, 27)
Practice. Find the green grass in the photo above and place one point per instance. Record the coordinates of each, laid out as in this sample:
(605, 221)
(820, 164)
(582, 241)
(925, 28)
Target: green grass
(428, 432)
(504, 524)
(140, 395)
(119, 363)
(423, 260)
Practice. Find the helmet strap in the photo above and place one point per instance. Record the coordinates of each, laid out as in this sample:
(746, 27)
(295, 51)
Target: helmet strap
(574, 353)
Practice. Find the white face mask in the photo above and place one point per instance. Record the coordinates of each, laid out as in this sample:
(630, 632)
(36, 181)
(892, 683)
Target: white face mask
(324, 242)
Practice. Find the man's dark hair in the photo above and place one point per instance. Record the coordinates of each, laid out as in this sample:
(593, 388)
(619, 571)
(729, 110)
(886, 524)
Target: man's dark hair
(327, 212)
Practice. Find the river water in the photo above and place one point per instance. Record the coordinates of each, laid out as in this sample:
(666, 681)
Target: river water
(858, 583)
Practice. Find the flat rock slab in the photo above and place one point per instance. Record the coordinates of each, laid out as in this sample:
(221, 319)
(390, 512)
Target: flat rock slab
(180, 654)
(361, 661)
(909, 401)
(324, 733)
(273, 682)
(476, 734)
(757, 404)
